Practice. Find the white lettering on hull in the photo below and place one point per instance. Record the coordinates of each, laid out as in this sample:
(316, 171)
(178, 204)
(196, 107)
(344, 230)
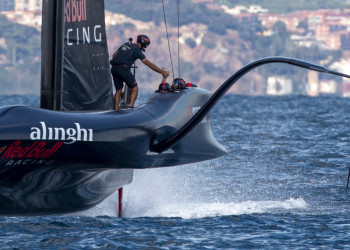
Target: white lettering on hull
(69, 135)
(195, 110)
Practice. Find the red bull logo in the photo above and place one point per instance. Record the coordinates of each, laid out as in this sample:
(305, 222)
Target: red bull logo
(38, 150)
(80, 30)
(75, 11)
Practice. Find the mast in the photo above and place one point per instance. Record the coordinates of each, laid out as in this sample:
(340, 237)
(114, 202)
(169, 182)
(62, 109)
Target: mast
(52, 55)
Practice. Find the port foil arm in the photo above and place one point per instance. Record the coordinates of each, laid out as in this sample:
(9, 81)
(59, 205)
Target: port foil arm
(205, 109)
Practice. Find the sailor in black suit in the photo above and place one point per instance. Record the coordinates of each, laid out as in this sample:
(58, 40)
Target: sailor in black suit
(121, 63)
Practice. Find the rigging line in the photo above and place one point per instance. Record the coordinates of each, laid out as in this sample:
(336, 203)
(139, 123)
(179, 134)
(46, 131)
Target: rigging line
(178, 36)
(347, 184)
(167, 34)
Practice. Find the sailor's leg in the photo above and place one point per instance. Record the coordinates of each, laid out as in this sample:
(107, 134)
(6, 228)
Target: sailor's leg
(117, 96)
(133, 95)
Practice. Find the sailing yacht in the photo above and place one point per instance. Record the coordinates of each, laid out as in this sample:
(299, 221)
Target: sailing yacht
(75, 150)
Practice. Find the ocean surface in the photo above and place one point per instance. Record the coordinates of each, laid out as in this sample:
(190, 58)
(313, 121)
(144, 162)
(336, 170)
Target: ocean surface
(282, 185)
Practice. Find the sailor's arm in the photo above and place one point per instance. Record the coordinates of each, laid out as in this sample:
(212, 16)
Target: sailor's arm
(155, 68)
(115, 54)
(163, 77)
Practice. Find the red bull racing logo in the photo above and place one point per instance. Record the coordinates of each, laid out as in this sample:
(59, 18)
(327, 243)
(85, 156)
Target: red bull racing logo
(37, 153)
(75, 11)
(37, 150)
(80, 30)
(40, 151)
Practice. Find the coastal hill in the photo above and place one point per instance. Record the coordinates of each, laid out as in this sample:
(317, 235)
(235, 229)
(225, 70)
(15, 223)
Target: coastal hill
(218, 37)
(214, 42)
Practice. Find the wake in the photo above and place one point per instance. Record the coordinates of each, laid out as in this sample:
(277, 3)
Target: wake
(170, 193)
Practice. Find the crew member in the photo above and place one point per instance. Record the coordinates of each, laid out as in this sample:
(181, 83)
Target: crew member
(178, 83)
(164, 87)
(121, 63)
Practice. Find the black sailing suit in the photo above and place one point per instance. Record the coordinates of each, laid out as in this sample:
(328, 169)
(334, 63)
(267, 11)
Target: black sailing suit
(121, 63)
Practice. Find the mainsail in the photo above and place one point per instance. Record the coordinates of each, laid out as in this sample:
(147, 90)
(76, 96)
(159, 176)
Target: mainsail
(75, 66)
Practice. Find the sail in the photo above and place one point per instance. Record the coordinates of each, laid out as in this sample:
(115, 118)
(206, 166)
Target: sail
(75, 65)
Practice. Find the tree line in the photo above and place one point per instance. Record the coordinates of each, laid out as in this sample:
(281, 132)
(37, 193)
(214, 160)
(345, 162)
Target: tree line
(22, 46)
(20, 51)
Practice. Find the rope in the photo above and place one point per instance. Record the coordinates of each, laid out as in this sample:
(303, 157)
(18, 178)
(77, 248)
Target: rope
(167, 34)
(347, 185)
(178, 35)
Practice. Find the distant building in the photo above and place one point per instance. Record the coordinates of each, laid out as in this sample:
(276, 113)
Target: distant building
(329, 27)
(346, 89)
(318, 87)
(328, 87)
(248, 19)
(279, 85)
(291, 20)
(209, 3)
(28, 5)
(6, 5)
(239, 9)
(256, 9)
(345, 41)
(312, 83)
(26, 12)
(29, 18)
(307, 40)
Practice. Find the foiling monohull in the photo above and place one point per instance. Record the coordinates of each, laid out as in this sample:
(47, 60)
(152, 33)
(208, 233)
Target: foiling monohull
(74, 151)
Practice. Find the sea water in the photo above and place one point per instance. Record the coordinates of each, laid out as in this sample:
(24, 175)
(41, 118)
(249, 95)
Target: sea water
(281, 185)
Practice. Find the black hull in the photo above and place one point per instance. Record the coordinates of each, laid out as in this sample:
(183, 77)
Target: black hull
(57, 162)
(58, 189)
